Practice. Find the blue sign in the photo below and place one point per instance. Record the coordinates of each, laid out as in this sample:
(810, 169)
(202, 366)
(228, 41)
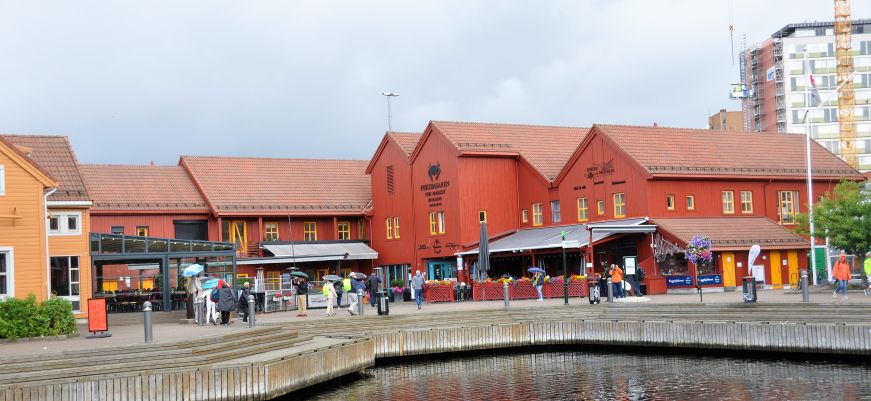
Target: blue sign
(710, 279)
(678, 281)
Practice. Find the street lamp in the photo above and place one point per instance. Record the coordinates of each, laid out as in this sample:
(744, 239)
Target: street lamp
(807, 133)
(389, 95)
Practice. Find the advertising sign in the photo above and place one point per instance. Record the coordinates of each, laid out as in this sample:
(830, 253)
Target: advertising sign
(679, 281)
(98, 324)
(711, 279)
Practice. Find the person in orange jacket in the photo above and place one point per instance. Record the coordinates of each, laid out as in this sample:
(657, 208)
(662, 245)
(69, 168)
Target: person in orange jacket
(617, 280)
(841, 273)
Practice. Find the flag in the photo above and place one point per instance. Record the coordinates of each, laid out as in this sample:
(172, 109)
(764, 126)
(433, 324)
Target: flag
(815, 94)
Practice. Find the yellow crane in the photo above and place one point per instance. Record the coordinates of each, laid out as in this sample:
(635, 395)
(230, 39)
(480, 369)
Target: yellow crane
(846, 95)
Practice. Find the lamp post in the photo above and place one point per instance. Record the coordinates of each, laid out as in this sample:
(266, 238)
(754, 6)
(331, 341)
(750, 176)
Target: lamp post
(389, 95)
(565, 271)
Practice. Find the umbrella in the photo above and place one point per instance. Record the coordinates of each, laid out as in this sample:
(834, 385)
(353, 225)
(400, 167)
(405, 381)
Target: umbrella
(535, 270)
(192, 270)
(299, 274)
(332, 277)
(358, 276)
(483, 255)
(210, 283)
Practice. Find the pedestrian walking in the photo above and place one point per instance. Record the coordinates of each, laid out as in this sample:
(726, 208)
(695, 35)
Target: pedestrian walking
(226, 303)
(339, 287)
(356, 285)
(301, 297)
(538, 282)
(346, 288)
(210, 305)
(617, 280)
(330, 293)
(372, 285)
(867, 268)
(417, 288)
(841, 273)
(242, 304)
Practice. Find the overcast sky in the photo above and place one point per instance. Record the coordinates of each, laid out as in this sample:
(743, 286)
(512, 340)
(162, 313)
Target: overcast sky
(140, 81)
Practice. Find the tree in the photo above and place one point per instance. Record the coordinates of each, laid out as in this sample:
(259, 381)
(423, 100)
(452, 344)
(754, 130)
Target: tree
(844, 216)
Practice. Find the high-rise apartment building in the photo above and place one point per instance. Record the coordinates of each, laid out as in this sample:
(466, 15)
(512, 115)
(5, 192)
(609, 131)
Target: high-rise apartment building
(726, 121)
(776, 74)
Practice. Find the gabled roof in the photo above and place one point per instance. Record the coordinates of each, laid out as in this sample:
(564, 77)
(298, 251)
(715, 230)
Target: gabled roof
(545, 148)
(55, 155)
(248, 185)
(733, 233)
(406, 141)
(681, 152)
(17, 154)
(141, 188)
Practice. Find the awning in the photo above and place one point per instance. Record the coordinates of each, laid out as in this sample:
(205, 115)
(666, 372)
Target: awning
(549, 237)
(309, 252)
(733, 233)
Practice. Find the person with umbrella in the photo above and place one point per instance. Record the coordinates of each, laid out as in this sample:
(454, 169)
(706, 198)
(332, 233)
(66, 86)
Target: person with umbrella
(329, 290)
(356, 285)
(538, 280)
(301, 293)
(192, 285)
(210, 286)
(243, 301)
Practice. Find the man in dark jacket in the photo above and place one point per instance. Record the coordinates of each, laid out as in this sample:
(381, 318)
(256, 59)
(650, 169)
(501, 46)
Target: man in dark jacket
(243, 301)
(372, 283)
(226, 303)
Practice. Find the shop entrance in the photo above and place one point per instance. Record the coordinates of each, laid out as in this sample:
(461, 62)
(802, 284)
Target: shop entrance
(440, 270)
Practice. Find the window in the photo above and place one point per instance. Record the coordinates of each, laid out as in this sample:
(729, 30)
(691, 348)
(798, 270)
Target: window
(273, 281)
(65, 223)
(728, 202)
(691, 202)
(619, 204)
(669, 202)
(396, 227)
(118, 230)
(2, 183)
(390, 180)
(142, 231)
(554, 212)
(600, 208)
(361, 229)
(536, 214)
(271, 231)
(389, 222)
(482, 216)
(787, 208)
(746, 201)
(583, 210)
(65, 278)
(437, 222)
(6, 284)
(310, 231)
(524, 216)
(343, 230)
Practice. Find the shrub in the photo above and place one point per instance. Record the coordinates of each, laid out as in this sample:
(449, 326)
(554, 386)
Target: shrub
(396, 283)
(21, 318)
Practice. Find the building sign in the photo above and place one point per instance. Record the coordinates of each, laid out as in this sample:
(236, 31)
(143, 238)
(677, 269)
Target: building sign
(437, 246)
(711, 279)
(98, 324)
(769, 74)
(678, 281)
(434, 191)
(600, 169)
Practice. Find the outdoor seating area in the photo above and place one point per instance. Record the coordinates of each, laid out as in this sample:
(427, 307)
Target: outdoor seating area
(132, 301)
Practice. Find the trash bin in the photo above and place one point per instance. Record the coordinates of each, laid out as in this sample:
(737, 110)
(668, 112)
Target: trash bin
(383, 305)
(749, 288)
(593, 291)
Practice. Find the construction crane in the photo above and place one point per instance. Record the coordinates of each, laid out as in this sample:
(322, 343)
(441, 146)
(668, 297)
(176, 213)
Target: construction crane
(846, 95)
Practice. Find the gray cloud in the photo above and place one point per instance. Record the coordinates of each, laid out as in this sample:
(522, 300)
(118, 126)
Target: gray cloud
(131, 82)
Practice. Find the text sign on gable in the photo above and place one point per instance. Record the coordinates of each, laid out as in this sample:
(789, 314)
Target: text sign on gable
(435, 190)
(678, 281)
(600, 169)
(711, 279)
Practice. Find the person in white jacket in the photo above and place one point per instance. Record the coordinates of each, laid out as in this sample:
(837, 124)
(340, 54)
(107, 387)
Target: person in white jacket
(210, 306)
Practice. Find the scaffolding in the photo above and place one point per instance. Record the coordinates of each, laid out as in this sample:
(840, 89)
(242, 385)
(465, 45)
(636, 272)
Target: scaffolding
(846, 95)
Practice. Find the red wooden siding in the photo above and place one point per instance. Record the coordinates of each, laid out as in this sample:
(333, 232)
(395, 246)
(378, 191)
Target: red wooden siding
(486, 183)
(436, 150)
(398, 204)
(159, 225)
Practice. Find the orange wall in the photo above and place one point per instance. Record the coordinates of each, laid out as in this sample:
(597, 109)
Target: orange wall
(75, 245)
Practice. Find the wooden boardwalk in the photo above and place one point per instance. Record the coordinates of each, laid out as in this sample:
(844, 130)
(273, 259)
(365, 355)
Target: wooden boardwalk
(267, 362)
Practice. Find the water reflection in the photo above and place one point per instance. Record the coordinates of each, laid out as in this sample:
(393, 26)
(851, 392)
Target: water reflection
(596, 376)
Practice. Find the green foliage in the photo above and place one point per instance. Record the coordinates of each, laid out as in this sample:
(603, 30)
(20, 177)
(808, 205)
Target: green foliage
(844, 216)
(243, 280)
(396, 283)
(21, 318)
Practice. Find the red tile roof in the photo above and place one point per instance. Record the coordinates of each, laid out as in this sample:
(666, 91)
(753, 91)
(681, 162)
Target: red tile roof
(546, 148)
(733, 233)
(55, 155)
(698, 152)
(406, 140)
(247, 185)
(141, 188)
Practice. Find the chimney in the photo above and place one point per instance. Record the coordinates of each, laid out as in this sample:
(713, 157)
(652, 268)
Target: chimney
(152, 163)
(655, 125)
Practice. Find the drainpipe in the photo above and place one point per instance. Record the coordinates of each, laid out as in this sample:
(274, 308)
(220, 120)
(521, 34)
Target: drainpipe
(47, 254)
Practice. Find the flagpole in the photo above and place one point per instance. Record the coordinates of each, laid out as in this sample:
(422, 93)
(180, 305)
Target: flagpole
(810, 189)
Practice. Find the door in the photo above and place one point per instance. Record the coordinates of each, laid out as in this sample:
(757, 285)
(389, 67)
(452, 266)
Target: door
(239, 235)
(792, 263)
(775, 262)
(320, 273)
(728, 269)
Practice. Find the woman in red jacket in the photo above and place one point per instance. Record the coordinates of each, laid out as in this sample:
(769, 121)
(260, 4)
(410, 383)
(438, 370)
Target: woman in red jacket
(841, 273)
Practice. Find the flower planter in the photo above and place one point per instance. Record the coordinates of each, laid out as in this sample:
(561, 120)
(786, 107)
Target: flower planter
(556, 290)
(487, 291)
(523, 290)
(438, 293)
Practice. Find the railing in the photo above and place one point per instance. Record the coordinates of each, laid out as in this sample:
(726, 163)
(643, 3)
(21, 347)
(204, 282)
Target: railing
(108, 244)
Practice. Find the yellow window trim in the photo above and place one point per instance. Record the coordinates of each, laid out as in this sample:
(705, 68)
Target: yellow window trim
(585, 208)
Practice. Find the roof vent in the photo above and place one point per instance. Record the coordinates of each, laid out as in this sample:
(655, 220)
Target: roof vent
(655, 125)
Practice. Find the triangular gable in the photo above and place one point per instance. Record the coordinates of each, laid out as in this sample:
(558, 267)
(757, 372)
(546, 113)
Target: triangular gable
(389, 138)
(22, 160)
(596, 131)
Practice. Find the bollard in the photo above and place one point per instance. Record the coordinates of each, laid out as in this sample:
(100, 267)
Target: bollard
(805, 294)
(146, 311)
(250, 316)
(360, 302)
(610, 291)
(198, 311)
(505, 292)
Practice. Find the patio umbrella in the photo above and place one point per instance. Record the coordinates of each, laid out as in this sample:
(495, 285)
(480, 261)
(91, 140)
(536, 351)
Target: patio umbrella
(299, 274)
(332, 277)
(483, 255)
(192, 270)
(535, 270)
(210, 283)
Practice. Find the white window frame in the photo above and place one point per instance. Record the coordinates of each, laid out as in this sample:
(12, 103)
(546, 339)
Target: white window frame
(63, 224)
(10, 271)
(72, 298)
(2, 180)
